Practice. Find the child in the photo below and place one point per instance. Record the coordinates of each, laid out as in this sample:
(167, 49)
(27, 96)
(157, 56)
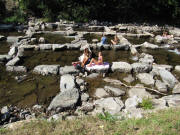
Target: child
(97, 62)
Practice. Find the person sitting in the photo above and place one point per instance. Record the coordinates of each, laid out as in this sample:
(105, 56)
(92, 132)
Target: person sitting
(115, 41)
(103, 40)
(83, 59)
(166, 35)
(97, 62)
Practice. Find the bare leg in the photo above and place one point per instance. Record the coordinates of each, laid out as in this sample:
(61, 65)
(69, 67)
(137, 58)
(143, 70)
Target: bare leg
(84, 61)
(113, 42)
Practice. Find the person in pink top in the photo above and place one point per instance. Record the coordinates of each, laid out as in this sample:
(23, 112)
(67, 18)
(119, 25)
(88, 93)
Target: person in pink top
(97, 62)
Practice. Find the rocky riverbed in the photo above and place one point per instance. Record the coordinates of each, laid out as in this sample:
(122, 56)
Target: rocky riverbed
(36, 73)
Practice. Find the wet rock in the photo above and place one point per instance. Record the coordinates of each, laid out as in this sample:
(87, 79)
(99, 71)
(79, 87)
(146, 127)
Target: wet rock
(13, 62)
(160, 39)
(133, 102)
(16, 69)
(139, 91)
(129, 79)
(58, 47)
(149, 45)
(146, 78)
(80, 81)
(175, 32)
(45, 46)
(4, 58)
(123, 67)
(100, 93)
(37, 107)
(67, 82)
(133, 50)
(42, 40)
(162, 87)
(114, 91)
(13, 51)
(146, 59)
(68, 70)
(141, 67)
(33, 40)
(20, 52)
(84, 97)
(47, 69)
(2, 38)
(172, 100)
(75, 46)
(176, 89)
(121, 47)
(65, 100)
(177, 68)
(168, 78)
(110, 105)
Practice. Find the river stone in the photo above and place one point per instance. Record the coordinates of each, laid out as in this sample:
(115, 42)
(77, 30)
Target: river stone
(45, 46)
(13, 51)
(65, 100)
(47, 69)
(80, 81)
(110, 105)
(93, 75)
(147, 60)
(168, 78)
(172, 100)
(75, 46)
(12, 39)
(177, 68)
(149, 45)
(5, 109)
(176, 89)
(139, 92)
(87, 107)
(67, 82)
(159, 104)
(4, 58)
(146, 78)
(162, 87)
(121, 67)
(160, 39)
(129, 79)
(136, 113)
(133, 102)
(68, 70)
(58, 47)
(13, 62)
(141, 67)
(55, 117)
(16, 69)
(84, 97)
(101, 93)
(20, 52)
(114, 91)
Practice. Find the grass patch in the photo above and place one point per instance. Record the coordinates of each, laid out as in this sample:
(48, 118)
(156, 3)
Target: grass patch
(146, 104)
(107, 117)
(165, 122)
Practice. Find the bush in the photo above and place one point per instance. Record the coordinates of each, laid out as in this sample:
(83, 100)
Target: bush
(107, 117)
(146, 104)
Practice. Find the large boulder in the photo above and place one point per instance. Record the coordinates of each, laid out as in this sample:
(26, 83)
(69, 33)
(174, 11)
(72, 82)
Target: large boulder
(146, 78)
(149, 45)
(139, 92)
(160, 39)
(47, 69)
(129, 79)
(114, 91)
(121, 67)
(177, 68)
(132, 102)
(175, 32)
(68, 70)
(2, 38)
(110, 105)
(176, 89)
(168, 78)
(172, 100)
(146, 59)
(141, 67)
(162, 66)
(13, 51)
(162, 87)
(13, 62)
(101, 93)
(159, 104)
(65, 100)
(67, 82)
(12, 39)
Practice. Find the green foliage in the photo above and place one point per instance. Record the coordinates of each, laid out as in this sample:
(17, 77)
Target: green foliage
(146, 104)
(107, 117)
